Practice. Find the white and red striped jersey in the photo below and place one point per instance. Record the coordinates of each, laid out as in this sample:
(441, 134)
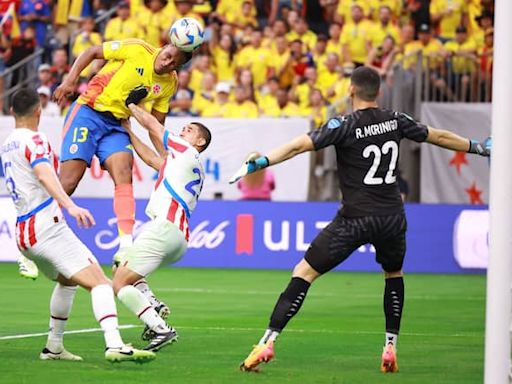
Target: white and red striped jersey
(179, 183)
(20, 152)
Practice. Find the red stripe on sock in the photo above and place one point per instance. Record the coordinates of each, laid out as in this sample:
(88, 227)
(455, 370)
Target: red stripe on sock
(106, 317)
(58, 318)
(139, 282)
(144, 310)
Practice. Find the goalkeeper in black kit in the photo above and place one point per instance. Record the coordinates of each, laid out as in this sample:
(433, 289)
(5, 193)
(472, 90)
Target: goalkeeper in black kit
(367, 144)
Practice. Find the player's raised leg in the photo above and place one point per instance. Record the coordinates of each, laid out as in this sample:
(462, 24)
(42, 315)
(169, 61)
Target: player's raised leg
(287, 306)
(116, 156)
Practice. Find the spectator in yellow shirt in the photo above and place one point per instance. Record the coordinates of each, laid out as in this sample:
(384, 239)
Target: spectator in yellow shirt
(245, 80)
(279, 29)
(328, 78)
(242, 19)
(382, 57)
(283, 62)
(86, 38)
(153, 22)
(463, 56)
(200, 65)
(221, 105)
(395, 7)
(343, 13)
(449, 14)
(242, 107)
(317, 109)
(431, 50)
(300, 92)
(334, 44)
(230, 9)
(256, 58)
(223, 50)
(184, 9)
(319, 52)
(183, 103)
(384, 27)
(300, 30)
(121, 27)
(356, 37)
(205, 96)
(267, 99)
(284, 107)
(485, 21)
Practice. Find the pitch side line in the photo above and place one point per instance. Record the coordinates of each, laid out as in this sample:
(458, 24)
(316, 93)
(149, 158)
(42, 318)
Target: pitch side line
(253, 292)
(241, 329)
(87, 330)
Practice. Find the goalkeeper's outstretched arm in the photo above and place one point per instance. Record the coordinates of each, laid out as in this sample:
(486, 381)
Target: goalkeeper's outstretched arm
(450, 140)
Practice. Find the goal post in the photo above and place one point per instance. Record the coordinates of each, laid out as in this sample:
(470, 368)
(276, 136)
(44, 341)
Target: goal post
(499, 272)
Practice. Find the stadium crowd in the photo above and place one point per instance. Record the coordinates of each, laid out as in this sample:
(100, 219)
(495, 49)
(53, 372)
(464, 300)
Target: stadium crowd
(275, 58)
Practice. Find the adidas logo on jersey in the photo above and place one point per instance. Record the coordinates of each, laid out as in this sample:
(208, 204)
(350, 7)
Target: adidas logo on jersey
(140, 71)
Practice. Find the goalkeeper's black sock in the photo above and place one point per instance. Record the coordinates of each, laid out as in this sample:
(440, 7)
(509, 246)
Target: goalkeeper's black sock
(287, 306)
(393, 305)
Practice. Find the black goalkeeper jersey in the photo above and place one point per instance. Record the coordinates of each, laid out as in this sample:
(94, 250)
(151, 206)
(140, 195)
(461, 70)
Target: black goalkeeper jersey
(367, 147)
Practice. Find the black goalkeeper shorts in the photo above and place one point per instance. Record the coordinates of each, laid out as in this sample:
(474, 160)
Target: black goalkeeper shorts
(344, 235)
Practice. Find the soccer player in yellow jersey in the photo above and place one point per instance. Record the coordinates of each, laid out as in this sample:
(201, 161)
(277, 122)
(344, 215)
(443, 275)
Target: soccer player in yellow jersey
(122, 26)
(93, 123)
(449, 14)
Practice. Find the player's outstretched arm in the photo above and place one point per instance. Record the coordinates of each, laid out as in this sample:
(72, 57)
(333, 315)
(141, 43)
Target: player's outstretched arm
(147, 155)
(48, 178)
(147, 121)
(450, 140)
(300, 144)
(83, 60)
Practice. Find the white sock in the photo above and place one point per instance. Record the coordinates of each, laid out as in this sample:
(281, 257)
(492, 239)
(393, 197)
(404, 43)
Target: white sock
(140, 306)
(143, 287)
(125, 241)
(268, 335)
(391, 338)
(60, 308)
(105, 311)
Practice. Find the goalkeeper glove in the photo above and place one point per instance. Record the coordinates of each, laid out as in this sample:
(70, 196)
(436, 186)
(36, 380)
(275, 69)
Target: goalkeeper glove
(482, 148)
(136, 95)
(254, 165)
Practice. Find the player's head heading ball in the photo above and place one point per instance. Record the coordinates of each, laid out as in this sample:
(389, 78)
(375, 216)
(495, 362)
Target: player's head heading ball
(197, 134)
(171, 58)
(365, 84)
(25, 103)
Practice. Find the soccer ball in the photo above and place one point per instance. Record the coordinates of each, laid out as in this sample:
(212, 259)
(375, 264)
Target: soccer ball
(186, 34)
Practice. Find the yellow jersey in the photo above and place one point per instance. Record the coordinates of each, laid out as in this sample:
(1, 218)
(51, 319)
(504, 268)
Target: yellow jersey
(202, 100)
(394, 5)
(461, 65)
(291, 109)
(224, 66)
(82, 42)
(327, 80)
(266, 102)
(246, 110)
(308, 39)
(356, 36)
(431, 53)
(449, 22)
(345, 8)
(216, 109)
(335, 47)
(380, 32)
(152, 26)
(318, 115)
(118, 29)
(130, 63)
(258, 60)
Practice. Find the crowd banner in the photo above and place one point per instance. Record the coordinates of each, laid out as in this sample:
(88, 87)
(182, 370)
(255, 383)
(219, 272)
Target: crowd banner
(455, 177)
(232, 141)
(275, 235)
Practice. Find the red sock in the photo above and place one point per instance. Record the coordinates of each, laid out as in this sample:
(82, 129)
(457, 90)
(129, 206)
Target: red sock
(124, 208)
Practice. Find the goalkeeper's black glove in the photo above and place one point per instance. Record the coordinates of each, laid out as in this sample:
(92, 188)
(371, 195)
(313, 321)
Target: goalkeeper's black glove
(482, 148)
(136, 95)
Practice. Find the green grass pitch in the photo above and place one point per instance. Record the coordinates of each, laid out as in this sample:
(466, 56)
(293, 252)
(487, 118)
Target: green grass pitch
(220, 314)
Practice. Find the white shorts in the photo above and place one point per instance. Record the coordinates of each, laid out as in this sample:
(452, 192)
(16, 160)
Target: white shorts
(57, 249)
(161, 242)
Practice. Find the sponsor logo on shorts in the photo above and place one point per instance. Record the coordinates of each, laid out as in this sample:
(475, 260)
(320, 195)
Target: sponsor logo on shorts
(73, 149)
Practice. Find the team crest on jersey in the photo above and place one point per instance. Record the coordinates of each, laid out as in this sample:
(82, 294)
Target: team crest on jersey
(140, 71)
(156, 89)
(73, 149)
(333, 123)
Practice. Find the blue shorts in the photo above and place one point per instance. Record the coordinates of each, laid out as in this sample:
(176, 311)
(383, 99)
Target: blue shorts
(88, 132)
